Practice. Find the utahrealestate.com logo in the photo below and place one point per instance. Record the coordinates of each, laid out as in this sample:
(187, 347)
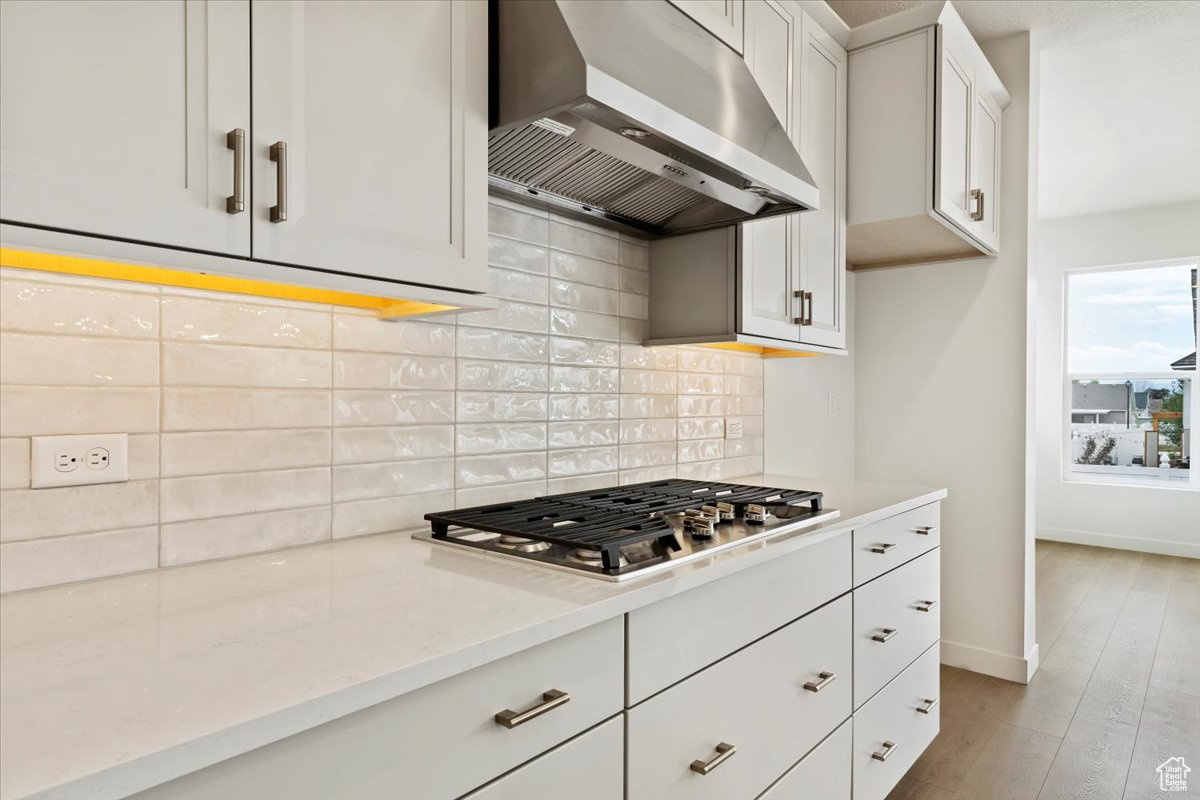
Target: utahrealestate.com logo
(1172, 775)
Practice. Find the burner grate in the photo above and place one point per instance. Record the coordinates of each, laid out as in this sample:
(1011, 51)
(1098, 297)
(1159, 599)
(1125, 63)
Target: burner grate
(609, 519)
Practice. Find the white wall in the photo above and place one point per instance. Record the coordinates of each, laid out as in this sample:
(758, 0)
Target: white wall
(1152, 519)
(805, 439)
(940, 385)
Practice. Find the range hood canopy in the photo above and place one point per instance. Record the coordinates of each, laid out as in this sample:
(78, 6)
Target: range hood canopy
(627, 112)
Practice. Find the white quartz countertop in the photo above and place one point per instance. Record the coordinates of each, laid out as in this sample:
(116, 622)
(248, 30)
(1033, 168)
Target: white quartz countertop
(113, 686)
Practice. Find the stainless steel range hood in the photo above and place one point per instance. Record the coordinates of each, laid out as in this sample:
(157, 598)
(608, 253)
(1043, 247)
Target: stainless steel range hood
(627, 112)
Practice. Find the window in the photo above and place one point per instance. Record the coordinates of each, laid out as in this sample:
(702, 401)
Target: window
(1130, 365)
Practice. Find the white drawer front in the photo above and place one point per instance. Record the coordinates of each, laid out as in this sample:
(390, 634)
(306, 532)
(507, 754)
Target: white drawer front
(887, 544)
(754, 700)
(824, 774)
(440, 741)
(666, 644)
(890, 626)
(589, 767)
(897, 725)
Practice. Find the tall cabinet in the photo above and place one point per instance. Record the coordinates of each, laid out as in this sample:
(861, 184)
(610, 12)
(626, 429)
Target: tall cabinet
(339, 137)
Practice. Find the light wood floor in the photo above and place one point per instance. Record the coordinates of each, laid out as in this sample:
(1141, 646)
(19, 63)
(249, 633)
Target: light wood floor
(1117, 693)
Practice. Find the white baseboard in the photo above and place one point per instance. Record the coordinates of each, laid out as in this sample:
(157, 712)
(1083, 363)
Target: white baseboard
(1158, 546)
(989, 662)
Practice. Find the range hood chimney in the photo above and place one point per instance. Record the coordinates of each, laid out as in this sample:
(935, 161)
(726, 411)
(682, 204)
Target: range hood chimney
(628, 113)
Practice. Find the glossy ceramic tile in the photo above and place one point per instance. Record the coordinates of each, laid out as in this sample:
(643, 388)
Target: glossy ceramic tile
(386, 407)
(635, 281)
(584, 352)
(584, 406)
(522, 256)
(596, 380)
(242, 493)
(237, 366)
(362, 332)
(202, 409)
(501, 345)
(77, 310)
(525, 226)
(372, 371)
(488, 470)
(636, 456)
(582, 461)
(361, 517)
(582, 241)
(499, 437)
(497, 406)
(582, 434)
(43, 410)
(189, 319)
(584, 324)
(634, 406)
(14, 463)
(635, 381)
(364, 445)
(392, 479)
(511, 284)
(501, 376)
(34, 360)
(509, 316)
(64, 559)
(201, 540)
(38, 513)
(581, 269)
(641, 431)
(218, 452)
(701, 428)
(566, 294)
(634, 254)
(636, 356)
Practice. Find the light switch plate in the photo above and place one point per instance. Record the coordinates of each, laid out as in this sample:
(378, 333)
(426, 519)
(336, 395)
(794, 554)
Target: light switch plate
(79, 460)
(733, 429)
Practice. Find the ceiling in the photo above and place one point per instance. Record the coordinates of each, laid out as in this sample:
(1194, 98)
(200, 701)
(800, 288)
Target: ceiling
(1120, 95)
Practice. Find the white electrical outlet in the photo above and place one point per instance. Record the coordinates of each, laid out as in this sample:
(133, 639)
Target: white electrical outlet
(78, 460)
(833, 404)
(733, 429)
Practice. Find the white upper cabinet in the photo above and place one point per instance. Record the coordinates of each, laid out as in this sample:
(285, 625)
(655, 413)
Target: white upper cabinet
(924, 142)
(770, 263)
(377, 117)
(822, 238)
(115, 119)
(722, 18)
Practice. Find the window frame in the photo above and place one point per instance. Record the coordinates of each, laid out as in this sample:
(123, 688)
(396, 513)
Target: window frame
(1117, 475)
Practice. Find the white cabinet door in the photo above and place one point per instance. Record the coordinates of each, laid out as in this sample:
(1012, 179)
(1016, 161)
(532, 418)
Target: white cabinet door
(113, 118)
(589, 767)
(769, 271)
(823, 774)
(952, 156)
(383, 111)
(822, 244)
(985, 171)
(722, 18)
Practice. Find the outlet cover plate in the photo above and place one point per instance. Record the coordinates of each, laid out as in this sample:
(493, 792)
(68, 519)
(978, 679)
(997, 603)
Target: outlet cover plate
(733, 428)
(64, 460)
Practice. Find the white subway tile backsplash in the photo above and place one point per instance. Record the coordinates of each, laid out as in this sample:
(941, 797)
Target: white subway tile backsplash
(377, 371)
(392, 479)
(64, 559)
(582, 434)
(242, 493)
(191, 319)
(34, 360)
(499, 437)
(584, 324)
(501, 345)
(502, 376)
(218, 452)
(279, 423)
(385, 407)
(507, 468)
(43, 410)
(365, 333)
(498, 406)
(584, 406)
(205, 539)
(38, 513)
(200, 409)
(364, 445)
(237, 366)
(580, 269)
(77, 310)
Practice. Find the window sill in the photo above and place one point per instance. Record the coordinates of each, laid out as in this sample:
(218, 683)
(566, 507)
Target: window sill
(1180, 480)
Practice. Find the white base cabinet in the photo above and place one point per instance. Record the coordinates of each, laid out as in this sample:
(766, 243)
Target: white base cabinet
(770, 686)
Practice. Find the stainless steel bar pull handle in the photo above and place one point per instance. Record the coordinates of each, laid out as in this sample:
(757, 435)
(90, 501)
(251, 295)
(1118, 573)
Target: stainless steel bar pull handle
(235, 140)
(550, 701)
(925, 530)
(724, 751)
(927, 705)
(927, 605)
(882, 548)
(826, 679)
(799, 295)
(808, 297)
(279, 156)
(977, 199)
(885, 753)
(887, 634)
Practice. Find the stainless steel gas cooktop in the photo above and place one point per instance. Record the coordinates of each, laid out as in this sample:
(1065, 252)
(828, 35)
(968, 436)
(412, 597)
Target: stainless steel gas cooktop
(628, 531)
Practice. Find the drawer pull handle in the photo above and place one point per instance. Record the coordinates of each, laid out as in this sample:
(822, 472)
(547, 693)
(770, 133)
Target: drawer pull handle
(887, 634)
(886, 752)
(928, 705)
(550, 701)
(724, 751)
(927, 605)
(925, 530)
(826, 679)
(882, 548)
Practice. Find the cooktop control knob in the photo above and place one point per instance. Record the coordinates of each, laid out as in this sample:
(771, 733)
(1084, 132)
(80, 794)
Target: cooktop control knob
(756, 513)
(702, 527)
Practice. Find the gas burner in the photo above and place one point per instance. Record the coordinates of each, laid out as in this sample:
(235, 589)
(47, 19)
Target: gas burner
(593, 557)
(521, 544)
